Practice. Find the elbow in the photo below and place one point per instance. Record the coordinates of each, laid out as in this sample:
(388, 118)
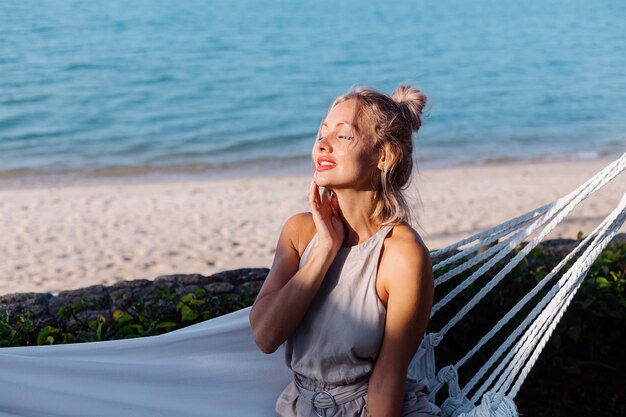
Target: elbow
(262, 339)
(388, 376)
(385, 384)
(266, 347)
(264, 344)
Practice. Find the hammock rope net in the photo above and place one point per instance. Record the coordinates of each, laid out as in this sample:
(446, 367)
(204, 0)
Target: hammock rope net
(496, 396)
(214, 368)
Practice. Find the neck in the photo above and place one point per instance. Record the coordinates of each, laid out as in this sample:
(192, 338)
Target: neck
(355, 208)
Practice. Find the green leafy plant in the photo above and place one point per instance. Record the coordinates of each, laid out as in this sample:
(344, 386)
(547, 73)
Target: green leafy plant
(589, 332)
(147, 317)
(18, 332)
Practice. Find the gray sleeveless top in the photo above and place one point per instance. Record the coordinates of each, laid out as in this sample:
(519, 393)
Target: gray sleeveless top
(340, 336)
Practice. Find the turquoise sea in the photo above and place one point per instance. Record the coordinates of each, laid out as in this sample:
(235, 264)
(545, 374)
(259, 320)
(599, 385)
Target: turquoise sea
(118, 87)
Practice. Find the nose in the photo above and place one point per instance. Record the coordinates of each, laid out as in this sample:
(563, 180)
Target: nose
(323, 144)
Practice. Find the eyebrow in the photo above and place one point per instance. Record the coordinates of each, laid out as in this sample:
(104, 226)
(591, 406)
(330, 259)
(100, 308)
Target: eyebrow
(340, 123)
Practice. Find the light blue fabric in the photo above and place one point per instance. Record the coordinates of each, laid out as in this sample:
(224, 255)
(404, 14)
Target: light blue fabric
(209, 369)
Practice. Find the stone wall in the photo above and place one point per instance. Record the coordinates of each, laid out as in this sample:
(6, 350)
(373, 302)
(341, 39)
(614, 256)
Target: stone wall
(124, 294)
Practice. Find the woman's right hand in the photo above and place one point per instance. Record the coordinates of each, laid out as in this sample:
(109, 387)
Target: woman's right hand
(326, 215)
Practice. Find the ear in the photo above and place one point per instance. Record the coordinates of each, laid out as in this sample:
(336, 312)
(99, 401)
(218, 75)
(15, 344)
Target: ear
(386, 158)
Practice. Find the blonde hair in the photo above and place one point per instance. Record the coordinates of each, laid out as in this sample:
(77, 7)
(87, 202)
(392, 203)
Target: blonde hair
(388, 123)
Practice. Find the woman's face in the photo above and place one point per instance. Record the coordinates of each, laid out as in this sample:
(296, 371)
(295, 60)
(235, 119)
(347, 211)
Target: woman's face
(341, 156)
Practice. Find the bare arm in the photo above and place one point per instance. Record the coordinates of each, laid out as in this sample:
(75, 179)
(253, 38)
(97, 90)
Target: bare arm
(410, 300)
(288, 292)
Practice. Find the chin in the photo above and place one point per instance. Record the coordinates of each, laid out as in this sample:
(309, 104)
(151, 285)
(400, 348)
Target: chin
(332, 183)
(325, 184)
(322, 180)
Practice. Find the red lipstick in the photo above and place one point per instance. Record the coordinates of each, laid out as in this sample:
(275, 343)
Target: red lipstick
(324, 163)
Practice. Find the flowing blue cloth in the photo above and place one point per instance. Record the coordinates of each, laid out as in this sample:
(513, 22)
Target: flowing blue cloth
(208, 369)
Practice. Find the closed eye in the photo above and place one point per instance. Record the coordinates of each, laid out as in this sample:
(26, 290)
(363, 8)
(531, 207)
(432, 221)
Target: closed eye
(340, 137)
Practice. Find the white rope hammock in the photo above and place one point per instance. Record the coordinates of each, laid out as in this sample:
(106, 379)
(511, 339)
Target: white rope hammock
(214, 368)
(502, 384)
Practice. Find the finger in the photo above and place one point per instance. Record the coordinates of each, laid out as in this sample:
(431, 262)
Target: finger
(338, 226)
(313, 196)
(324, 197)
(311, 200)
(334, 202)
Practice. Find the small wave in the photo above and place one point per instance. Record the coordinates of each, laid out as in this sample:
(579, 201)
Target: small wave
(27, 177)
(45, 135)
(17, 173)
(18, 120)
(82, 66)
(151, 81)
(545, 157)
(24, 100)
(253, 148)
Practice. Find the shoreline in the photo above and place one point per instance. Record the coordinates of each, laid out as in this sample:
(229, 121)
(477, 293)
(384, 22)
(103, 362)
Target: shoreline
(75, 235)
(259, 168)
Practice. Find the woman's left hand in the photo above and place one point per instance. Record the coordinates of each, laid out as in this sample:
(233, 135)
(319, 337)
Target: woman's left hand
(326, 215)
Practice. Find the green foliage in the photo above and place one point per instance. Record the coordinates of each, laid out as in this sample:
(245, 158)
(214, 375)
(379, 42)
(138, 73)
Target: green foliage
(590, 332)
(46, 335)
(148, 317)
(595, 320)
(19, 332)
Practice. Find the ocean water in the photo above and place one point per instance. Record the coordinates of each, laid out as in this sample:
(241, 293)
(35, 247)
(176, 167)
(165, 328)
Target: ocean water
(118, 88)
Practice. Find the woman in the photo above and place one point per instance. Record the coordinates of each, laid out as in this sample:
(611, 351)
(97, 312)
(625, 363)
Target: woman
(351, 286)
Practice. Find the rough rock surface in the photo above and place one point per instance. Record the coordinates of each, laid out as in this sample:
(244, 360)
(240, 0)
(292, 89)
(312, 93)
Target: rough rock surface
(124, 295)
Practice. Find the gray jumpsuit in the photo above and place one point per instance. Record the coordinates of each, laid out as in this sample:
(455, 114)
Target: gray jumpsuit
(335, 347)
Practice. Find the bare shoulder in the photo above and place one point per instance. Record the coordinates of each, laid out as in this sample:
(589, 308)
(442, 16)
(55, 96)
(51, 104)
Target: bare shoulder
(301, 229)
(404, 241)
(404, 257)
(288, 253)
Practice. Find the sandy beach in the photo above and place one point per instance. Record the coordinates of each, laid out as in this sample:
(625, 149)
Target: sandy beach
(72, 236)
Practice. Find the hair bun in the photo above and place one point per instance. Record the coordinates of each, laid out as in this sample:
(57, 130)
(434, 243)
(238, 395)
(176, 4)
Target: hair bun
(411, 102)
